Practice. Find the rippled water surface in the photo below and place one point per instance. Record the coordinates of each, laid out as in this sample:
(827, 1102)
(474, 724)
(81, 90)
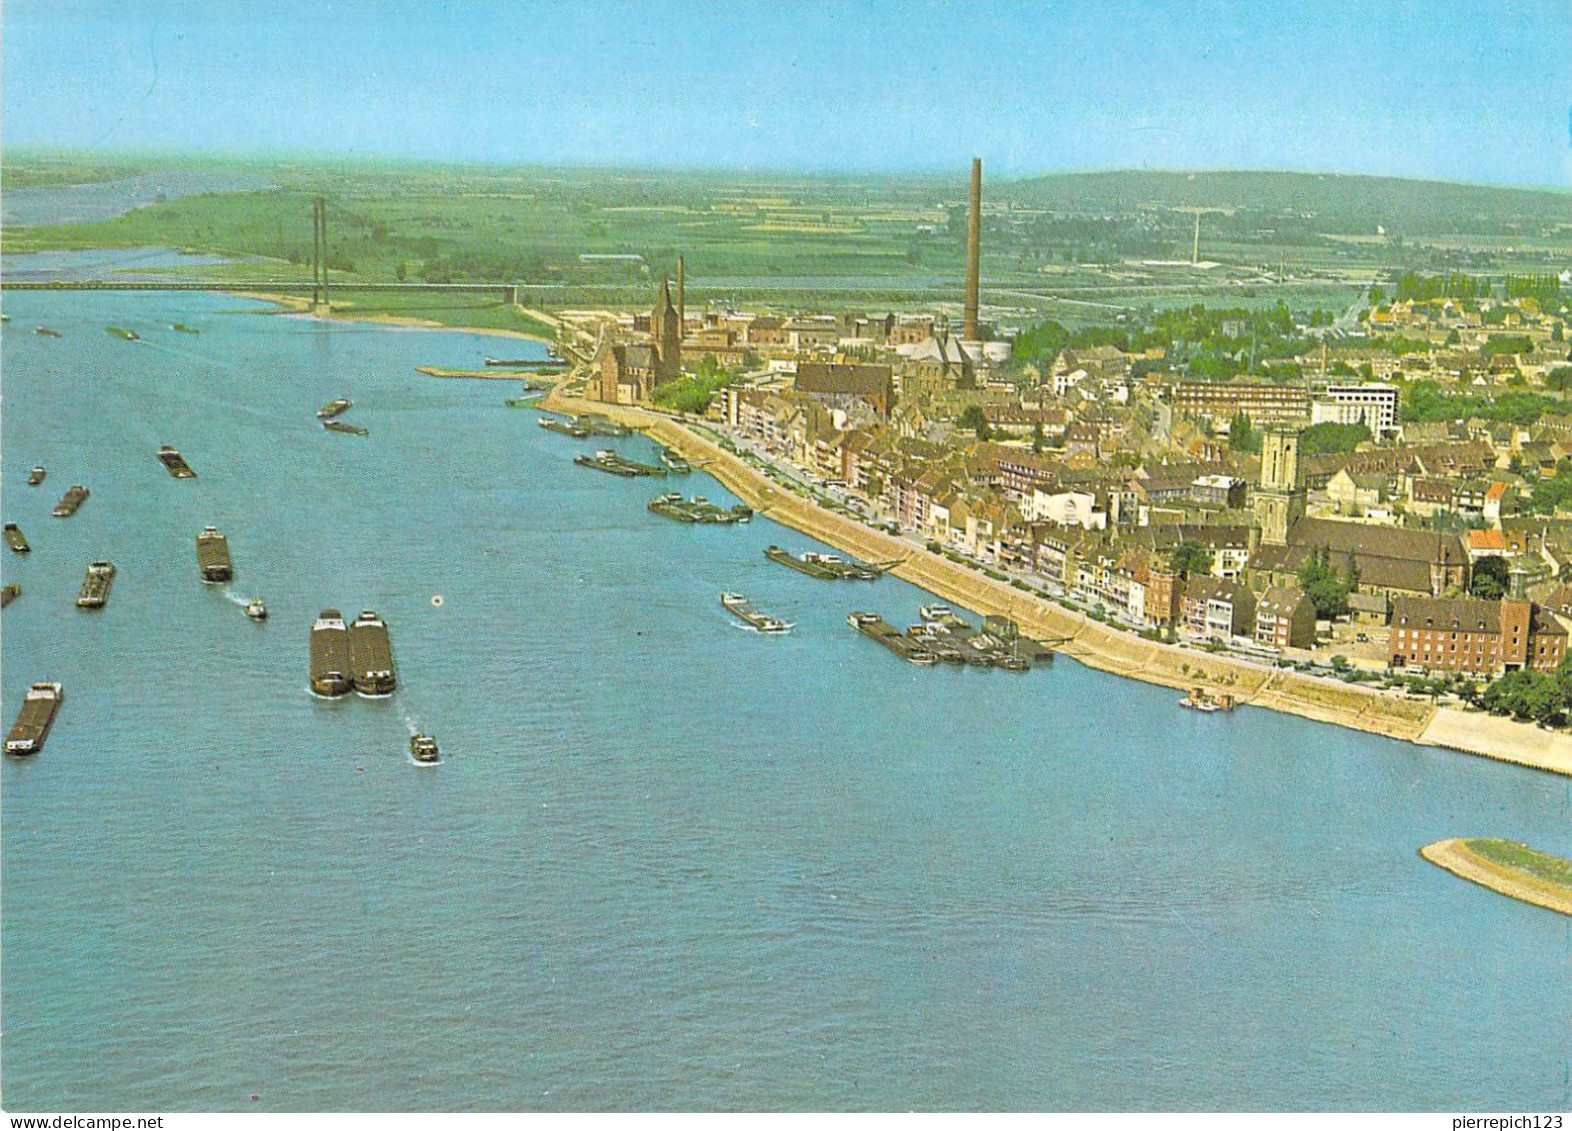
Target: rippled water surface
(667, 863)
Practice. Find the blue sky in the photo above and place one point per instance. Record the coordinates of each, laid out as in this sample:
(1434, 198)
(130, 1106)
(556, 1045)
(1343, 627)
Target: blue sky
(1453, 90)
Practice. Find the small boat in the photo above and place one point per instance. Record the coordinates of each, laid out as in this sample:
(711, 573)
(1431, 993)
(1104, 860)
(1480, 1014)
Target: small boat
(423, 748)
(256, 610)
(36, 476)
(122, 332)
(334, 408)
(526, 399)
(9, 593)
(1201, 700)
(15, 539)
(184, 329)
(554, 353)
(46, 332)
(340, 426)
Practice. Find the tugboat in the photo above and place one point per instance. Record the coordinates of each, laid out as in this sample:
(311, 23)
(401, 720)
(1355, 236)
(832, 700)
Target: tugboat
(14, 538)
(330, 655)
(38, 712)
(256, 610)
(334, 408)
(423, 748)
(36, 476)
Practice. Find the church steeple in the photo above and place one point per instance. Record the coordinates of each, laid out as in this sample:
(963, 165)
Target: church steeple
(666, 335)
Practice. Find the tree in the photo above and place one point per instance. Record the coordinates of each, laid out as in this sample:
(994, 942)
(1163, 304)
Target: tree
(1038, 439)
(1559, 379)
(1327, 591)
(1190, 557)
(1241, 436)
(972, 417)
(1329, 437)
(1490, 578)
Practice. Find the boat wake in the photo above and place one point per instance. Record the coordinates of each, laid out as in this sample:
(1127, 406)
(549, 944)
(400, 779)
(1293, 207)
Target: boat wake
(411, 722)
(235, 598)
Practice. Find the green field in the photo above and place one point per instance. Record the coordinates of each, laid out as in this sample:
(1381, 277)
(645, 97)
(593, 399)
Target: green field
(1521, 858)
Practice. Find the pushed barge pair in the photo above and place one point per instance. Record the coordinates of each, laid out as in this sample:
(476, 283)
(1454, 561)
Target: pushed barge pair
(620, 465)
(213, 556)
(359, 656)
(94, 593)
(175, 462)
(745, 611)
(74, 497)
(39, 709)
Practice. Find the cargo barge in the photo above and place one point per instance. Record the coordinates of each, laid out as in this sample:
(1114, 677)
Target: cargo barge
(39, 708)
(349, 429)
(371, 656)
(46, 332)
(176, 463)
(999, 643)
(330, 665)
(614, 464)
(9, 593)
(334, 408)
(74, 497)
(744, 610)
(36, 476)
(698, 509)
(213, 556)
(876, 628)
(563, 427)
(825, 567)
(94, 593)
(15, 539)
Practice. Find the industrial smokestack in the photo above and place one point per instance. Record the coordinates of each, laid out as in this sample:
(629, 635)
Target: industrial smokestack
(973, 252)
(682, 295)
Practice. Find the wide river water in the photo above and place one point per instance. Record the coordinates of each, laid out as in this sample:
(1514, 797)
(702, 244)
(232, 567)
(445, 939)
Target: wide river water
(667, 862)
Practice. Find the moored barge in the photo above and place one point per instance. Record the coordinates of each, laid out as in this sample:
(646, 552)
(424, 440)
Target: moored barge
(15, 539)
(175, 462)
(675, 463)
(74, 497)
(371, 656)
(825, 567)
(39, 708)
(597, 425)
(614, 464)
(563, 427)
(697, 509)
(213, 556)
(330, 666)
(875, 627)
(94, 593)
(744, 610)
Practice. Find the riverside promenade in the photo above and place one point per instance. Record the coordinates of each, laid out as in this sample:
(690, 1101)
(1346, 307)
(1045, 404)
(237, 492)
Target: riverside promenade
(1092, 643)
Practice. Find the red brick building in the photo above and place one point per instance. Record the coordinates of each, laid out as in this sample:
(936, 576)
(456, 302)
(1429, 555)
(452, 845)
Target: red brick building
(1466, 634)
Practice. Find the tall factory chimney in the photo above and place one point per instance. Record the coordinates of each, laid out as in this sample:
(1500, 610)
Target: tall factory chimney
(973, 252)
(682, 296)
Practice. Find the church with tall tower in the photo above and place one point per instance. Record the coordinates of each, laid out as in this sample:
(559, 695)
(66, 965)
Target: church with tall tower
(1279, 501)
(631, 371)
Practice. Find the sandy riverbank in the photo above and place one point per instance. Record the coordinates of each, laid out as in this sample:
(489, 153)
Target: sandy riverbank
(1098, 645)
(294, 304)
(1456, 857)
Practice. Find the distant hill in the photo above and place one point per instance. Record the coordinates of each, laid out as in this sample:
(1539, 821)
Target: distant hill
(1341, 204)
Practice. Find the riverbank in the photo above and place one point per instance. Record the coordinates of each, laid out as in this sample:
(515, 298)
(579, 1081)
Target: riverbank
(1460, 857)
(295, 304)
(1095, 644)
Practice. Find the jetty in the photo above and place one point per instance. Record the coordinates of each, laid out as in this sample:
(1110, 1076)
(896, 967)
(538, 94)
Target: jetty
(745, 611)
(563, 427)
(348, 429)
(94, 593)
(1507, 867)
(698, 509)
(36, 476)
(876, 628)
(371, 656)
(15, 539)
(176, 463)
(330, 666)
(9, 593)
(213, 556)
(73, 499)
(39, 707)
(614, 464)
(825, 567)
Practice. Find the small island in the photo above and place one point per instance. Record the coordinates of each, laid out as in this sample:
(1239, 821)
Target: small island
(1507, 867)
